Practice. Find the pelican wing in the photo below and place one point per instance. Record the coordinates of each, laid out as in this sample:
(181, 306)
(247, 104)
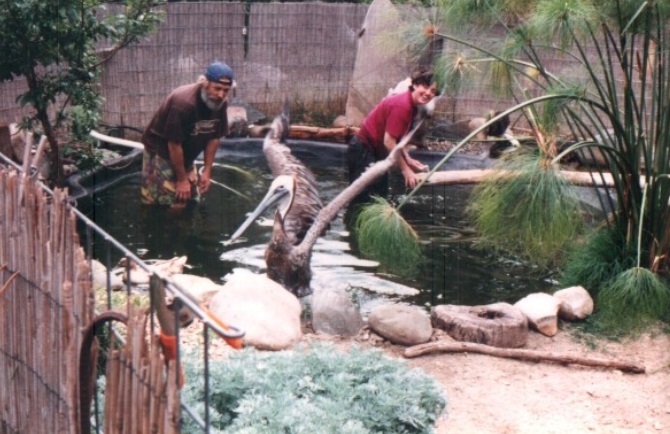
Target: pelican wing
(306, 201)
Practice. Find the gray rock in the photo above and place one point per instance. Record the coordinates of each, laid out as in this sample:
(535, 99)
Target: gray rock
(401, 324)
(333, 313)
(99, 275)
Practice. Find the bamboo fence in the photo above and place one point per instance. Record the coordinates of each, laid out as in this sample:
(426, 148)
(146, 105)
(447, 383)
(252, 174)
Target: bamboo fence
(46, 303)
(141, 395)
(304, 51)
(45, 300)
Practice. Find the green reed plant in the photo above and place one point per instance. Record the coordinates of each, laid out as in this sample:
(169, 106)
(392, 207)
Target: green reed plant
(610, 100)
(636, 296)
(615, 105)
(528, 208)
(384, 234)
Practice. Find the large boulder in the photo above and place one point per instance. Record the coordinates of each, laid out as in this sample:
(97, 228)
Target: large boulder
(202, 289)
(498, 324)
(267, 313)
(401, 324)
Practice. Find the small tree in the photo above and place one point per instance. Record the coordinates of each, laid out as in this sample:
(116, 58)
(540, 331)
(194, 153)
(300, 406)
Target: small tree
(54, 45)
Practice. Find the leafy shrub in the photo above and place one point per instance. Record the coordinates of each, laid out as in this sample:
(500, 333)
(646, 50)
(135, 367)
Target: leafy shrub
(313, 390)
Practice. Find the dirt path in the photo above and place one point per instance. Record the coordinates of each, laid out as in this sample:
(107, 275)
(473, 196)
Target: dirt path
(490, 395)
(493, 395)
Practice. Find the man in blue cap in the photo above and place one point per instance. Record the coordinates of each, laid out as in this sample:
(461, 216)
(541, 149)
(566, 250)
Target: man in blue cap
(192, 119)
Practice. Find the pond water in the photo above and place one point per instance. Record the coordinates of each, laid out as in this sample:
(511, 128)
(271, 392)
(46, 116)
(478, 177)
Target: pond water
(454, 272)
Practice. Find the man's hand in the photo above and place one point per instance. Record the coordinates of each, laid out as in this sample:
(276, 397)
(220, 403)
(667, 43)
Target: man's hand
(415, 165)
(205, 182)
(183, 192)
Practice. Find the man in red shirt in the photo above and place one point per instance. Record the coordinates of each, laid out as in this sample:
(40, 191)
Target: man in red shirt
(192, 119)
(384, 127)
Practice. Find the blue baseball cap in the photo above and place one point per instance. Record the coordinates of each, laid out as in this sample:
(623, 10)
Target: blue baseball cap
(219, 72)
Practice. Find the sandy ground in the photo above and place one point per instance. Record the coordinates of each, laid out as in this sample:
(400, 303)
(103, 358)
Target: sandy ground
(494, 395)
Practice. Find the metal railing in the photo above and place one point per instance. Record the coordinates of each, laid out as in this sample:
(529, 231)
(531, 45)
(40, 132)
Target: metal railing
(181, 297)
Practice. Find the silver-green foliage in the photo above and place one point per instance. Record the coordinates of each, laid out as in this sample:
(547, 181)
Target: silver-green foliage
(313, 390)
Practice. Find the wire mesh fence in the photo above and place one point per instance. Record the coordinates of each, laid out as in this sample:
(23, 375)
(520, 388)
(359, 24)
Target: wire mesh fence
(304, 52)
(48, 305)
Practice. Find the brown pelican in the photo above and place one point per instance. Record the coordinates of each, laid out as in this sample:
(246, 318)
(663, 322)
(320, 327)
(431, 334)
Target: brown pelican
(300, 217)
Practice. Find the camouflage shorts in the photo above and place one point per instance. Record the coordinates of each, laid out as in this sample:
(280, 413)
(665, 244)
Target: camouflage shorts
(158, 181)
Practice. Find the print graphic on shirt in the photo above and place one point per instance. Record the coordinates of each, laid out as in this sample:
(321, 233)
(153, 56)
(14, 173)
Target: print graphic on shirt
(205, 127)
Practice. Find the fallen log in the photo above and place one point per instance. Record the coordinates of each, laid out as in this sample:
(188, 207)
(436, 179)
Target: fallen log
(473, 176)
(520, 354)
(303, 132)
(341, 135)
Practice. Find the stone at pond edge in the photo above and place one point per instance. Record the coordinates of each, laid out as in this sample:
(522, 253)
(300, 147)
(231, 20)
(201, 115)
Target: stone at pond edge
(498, 324)
(576, 303)
(542, 312)
(202, 289)
(401, 324)
(267, 313)
(333, 313)
(99, 277)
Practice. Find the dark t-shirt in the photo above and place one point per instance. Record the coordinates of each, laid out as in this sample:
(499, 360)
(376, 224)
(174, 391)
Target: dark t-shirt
(185, 118)
(392, 115)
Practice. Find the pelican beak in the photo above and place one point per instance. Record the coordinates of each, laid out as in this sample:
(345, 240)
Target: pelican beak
(273, 197)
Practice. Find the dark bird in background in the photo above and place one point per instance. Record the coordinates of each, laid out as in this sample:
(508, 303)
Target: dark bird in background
(300, 217)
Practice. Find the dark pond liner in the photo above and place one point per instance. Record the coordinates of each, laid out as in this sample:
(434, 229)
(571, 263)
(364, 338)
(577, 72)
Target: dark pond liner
(86, 184)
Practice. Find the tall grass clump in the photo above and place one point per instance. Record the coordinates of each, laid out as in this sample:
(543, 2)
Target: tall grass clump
(382, 233)
(596, 260)
(526, 208)
(634, 300)
(313, 390)
(636, 296)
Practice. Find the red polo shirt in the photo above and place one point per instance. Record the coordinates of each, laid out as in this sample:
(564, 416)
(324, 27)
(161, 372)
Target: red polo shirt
(392, 115)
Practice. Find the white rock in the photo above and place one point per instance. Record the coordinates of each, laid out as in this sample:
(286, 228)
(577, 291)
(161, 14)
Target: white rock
(542, 312)
(576, 303)
(99, 275)
(201, 288)
(267, 313)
